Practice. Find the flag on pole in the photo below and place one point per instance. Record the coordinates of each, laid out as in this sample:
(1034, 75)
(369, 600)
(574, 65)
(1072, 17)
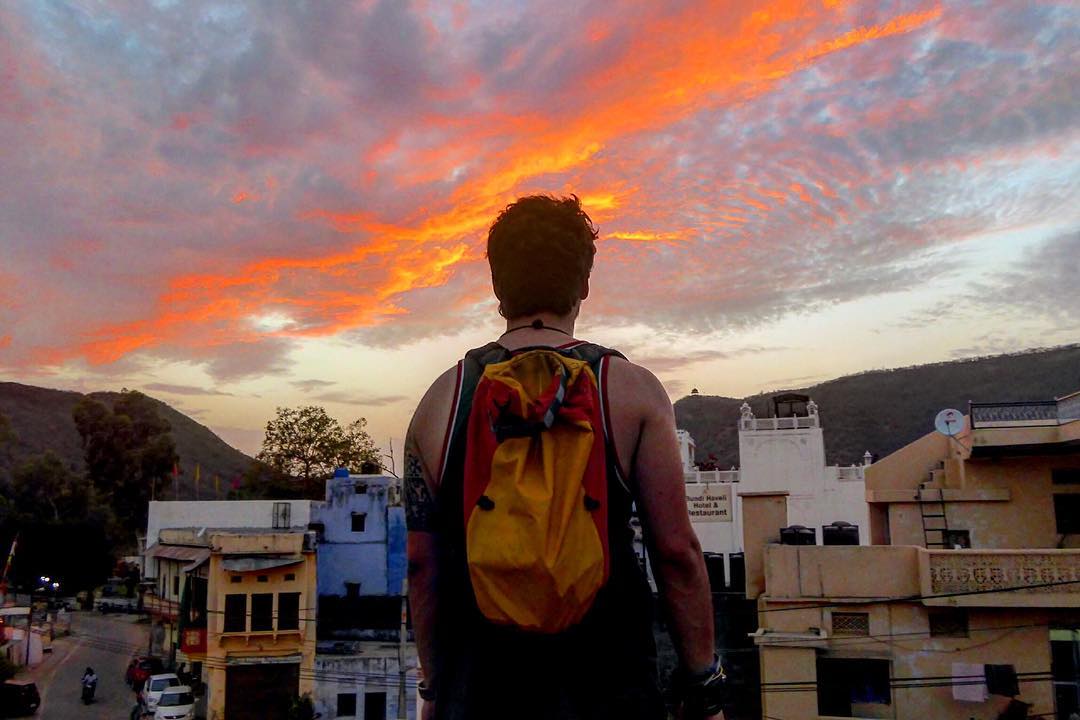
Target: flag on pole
(10, 558)
(7, 568)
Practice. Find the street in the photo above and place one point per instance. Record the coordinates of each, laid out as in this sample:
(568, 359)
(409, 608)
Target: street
(103, 642)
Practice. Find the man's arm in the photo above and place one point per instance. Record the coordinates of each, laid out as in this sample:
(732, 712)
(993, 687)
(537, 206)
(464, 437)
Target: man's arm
(675, 551)
(423, 447)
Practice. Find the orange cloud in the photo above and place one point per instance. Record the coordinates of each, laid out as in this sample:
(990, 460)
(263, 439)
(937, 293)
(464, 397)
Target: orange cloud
(675, 66)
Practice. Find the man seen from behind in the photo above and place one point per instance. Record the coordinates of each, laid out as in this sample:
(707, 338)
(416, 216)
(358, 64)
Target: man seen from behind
(523, 466)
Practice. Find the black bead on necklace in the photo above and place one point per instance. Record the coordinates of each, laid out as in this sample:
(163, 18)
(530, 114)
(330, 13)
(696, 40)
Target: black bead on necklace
(536, 324)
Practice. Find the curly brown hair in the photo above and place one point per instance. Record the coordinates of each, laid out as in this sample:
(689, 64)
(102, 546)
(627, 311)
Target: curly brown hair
(540, 250)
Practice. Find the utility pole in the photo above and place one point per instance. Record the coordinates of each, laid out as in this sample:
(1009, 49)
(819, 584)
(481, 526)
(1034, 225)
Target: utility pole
(403, 713)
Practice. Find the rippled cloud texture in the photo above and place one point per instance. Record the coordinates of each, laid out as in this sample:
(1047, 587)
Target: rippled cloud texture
(218, 183)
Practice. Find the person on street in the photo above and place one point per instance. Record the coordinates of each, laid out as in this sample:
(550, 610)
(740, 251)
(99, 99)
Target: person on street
(496, 644)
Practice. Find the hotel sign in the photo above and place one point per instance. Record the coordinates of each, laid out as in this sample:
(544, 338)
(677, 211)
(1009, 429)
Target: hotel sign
(709, 502)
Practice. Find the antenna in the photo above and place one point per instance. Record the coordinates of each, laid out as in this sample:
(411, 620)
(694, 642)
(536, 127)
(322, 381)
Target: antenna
(949, 422)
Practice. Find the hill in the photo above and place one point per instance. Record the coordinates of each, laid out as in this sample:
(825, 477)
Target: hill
(883, 410)
(41, 419)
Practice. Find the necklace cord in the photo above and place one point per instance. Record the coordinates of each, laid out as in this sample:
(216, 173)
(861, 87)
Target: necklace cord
(536, 324)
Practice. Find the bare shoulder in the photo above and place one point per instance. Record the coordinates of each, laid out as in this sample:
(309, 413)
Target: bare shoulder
(428, 426)
(633, 386)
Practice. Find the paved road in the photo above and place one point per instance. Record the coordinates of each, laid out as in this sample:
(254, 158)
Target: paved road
(105, 643)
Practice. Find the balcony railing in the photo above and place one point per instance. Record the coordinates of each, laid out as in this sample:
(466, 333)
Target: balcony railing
(710, 476)
(850, 473)
(161, 607)
(1016, 414)
(784, 423)
(1000, 578)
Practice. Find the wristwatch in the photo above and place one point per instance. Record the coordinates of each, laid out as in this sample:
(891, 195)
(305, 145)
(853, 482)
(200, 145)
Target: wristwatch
(703, 693)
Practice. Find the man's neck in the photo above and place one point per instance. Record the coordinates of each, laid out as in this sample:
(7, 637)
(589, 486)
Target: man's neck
(551, 329)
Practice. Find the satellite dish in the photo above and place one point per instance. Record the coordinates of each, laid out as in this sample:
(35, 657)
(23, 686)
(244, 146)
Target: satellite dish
(949, 422)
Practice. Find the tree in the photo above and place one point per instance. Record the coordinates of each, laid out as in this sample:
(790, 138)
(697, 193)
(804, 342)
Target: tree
(42, 487)
(8, 437)
(129, 453)
(308, 444)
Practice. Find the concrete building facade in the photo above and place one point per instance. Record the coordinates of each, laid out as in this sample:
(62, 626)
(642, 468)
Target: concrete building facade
(775, 454)
(967, 605)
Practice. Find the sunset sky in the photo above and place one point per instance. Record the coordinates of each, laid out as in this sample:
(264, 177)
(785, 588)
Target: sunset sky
(238, 205)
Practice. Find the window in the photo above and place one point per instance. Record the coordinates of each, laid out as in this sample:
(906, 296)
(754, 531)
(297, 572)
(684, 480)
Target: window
(263, 578)
(289, 577)
(288, 611)
(361, 488)
(375, 706)
(850, 623)
(235, 613)
(956, 539)
(1066, 476)
(1067, 513)
(359, 521)
(236, 578)
(843, 684)
(949, 622)
(282, 515)
(346, 705)
(352, 590)
(262, 612)
(176, 585)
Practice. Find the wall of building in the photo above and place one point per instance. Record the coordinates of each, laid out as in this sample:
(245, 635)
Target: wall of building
(269, 646)
(374, 558)
(1003, 503)
(370, 668)
(221, 514)
(899, 634)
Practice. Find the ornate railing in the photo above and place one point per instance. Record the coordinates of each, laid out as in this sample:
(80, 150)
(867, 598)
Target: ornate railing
(988, 415)
(784, 423)
(991, 578)
(710, 476)
(853, 472)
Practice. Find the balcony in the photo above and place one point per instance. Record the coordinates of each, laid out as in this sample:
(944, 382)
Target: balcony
(1026, 428)
(703, 477)
(160, 607)
(989, 578)
(783, 423)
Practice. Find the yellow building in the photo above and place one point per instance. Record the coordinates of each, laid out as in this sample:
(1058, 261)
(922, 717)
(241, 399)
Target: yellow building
(967, 604)
(251, 631)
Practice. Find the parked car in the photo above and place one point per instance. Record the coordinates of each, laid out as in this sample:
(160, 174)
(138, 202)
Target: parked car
(18, 698)
(176, 703)
(155, 685)
(140, 668)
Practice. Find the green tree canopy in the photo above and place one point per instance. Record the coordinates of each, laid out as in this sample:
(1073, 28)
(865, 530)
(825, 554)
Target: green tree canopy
(308, 444)
(129, 452)
(43, 487)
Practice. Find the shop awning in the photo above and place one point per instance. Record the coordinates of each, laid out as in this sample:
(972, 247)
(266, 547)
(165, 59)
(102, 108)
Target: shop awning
(182, 553)
(253, 563)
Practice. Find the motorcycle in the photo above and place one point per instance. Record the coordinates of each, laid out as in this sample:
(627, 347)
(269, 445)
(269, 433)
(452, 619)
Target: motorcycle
(89, 686)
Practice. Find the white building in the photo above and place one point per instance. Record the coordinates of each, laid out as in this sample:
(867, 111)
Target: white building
(776, 454)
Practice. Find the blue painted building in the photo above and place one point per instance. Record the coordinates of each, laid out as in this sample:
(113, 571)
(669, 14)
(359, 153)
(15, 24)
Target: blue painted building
(361, 529)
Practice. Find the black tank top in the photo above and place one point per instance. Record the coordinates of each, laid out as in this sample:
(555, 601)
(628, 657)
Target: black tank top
(605, 667)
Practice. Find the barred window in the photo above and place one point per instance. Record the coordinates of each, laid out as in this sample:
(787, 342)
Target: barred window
(949, 622)
(851, 623)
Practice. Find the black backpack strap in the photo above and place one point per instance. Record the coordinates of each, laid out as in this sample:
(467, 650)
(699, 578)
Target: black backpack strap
(470, 369)
(598, 357)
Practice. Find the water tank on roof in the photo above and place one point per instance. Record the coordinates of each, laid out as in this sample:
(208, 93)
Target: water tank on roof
(790, 405)
(714, 565)
(840, 533)
(798, 535)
